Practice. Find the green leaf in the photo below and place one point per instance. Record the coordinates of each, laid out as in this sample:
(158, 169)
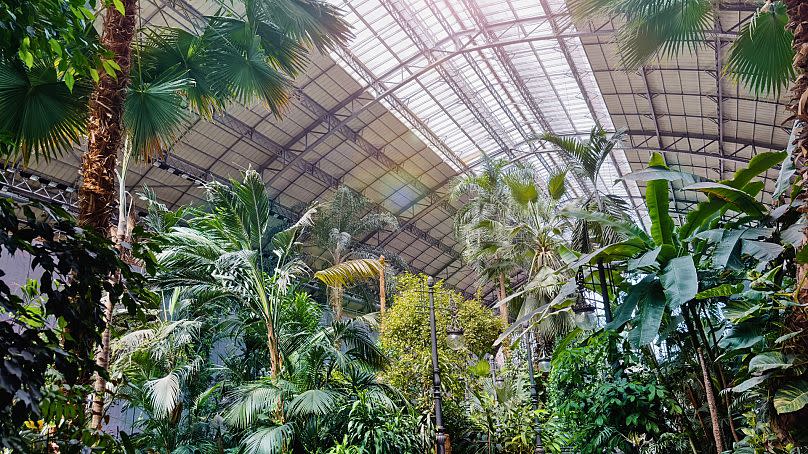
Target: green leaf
(556, 186)
(41, 116)
(155, 115)
(761, 57)
(720, 291)
(625, 310)
(738, 200)
(654, 173)
(741, 336)
(726, 252)
(750, 383)
(680, 281)
(94, 75)
(69, 80)
(763, 251)
(767, 361)
(794, 235)
(646, 260)
(787, 170)
(55, 47)
(649, 317)
(792, 397)
(705, 211)
(658, 202)
(788, 336)
(119, 7)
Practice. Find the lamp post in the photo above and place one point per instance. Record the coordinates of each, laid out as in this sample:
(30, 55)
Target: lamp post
(454, 338)
(534, 394)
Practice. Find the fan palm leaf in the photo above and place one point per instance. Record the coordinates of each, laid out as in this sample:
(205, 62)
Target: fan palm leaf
(39, 115)
(761, 57)
(154, 115)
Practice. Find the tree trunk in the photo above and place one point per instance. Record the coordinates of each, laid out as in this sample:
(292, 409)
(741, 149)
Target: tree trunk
(274, 354)
(97, 195)
(708, 390)
(798, 24)
(123, 230)
(503, 310)
(336, 301)
(382, 289)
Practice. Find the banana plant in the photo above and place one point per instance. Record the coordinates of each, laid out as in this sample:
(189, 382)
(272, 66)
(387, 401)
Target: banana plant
(662, 265)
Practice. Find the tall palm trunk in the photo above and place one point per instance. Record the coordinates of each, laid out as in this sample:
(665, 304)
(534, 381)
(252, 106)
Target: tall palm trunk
(798, 105)
(503, 310)
(97, 195)
(105, 129)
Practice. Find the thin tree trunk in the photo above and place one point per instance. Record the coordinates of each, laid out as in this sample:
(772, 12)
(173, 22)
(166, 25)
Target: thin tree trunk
(120, 234)
(503, 310)
(708, 390)
(274, 354)
(382, 290)
(335, 294)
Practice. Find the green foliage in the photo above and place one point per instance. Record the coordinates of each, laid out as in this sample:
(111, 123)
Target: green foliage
(405, 339)
(761, 57)
(53, 326)
(603, 411)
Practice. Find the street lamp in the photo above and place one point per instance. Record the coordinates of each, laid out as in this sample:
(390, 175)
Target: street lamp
(455, 339)
(583, 312)
(544, 366)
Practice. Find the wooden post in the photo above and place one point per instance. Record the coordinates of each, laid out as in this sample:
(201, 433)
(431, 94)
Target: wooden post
(382, 292)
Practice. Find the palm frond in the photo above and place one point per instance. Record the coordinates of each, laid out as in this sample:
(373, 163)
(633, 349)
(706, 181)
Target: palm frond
(350, 272)
(662, 27)
(313, 402)
(761, 58)
(249, 401)
(269, 440)
(155, 114)
(312, 22)
(39, 116)
(164, 394)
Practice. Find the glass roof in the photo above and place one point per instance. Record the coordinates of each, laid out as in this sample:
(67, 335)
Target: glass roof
(476, 76)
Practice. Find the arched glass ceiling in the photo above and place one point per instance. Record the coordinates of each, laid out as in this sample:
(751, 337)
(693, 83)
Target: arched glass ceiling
(480, 76)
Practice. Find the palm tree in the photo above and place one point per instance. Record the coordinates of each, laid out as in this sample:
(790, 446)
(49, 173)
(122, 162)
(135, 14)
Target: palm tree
(477, 223)
(588, 156)
(309, 401)
(46, 111)
(164, 370)
(343, 218)
(239, 251)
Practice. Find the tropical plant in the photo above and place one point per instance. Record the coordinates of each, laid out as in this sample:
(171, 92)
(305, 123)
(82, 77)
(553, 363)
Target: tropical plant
(54, 323)
(308, 405)
(760, 58)
(602, 411)
(238, 251)
(234, 58)
(343, 218)
(163, 371)
(588, 157)
(477, 220)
